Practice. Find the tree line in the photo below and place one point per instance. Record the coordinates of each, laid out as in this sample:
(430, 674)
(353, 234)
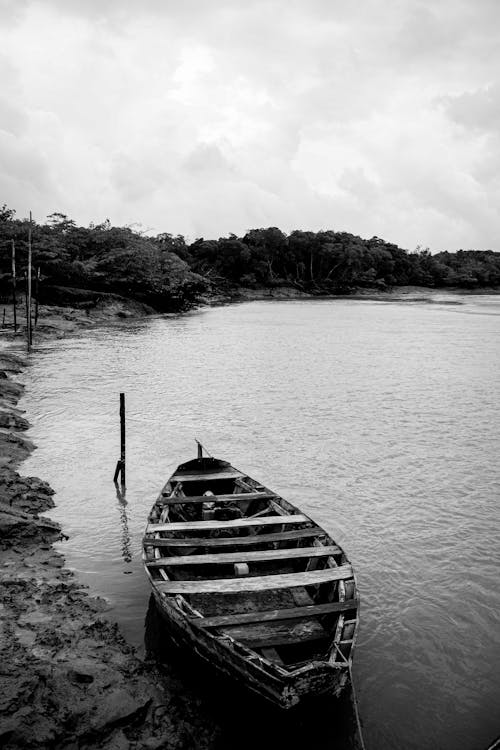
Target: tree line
(77, 263)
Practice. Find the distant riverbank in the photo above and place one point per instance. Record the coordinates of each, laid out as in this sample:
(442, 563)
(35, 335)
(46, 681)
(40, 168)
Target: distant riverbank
(57, 321)
(394, 294)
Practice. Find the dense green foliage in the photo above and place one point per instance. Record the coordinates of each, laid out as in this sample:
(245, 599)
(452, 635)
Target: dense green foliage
(100, 258)
(169, 274)
(336, 262)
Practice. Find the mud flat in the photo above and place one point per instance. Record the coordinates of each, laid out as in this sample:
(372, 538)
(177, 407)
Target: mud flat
(57, 321)
(68, 679)
(410, 294)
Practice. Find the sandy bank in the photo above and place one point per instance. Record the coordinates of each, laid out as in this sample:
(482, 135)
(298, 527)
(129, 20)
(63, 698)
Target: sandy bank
(68, 678)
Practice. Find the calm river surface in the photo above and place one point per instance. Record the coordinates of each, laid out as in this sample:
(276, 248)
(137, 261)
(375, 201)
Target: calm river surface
(381, 420)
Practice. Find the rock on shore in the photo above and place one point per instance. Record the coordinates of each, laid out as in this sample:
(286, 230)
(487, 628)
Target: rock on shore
(68, 679)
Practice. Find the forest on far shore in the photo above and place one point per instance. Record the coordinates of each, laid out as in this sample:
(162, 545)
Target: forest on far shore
(75, 264)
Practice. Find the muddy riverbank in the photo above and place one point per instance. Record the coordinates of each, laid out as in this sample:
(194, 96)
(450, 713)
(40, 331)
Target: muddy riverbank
(68, 678)
(414, 294)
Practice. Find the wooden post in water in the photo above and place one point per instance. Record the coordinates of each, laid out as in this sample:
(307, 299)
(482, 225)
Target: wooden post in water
(28, 301)
(120, 466)
(122, 437)
(14, 284)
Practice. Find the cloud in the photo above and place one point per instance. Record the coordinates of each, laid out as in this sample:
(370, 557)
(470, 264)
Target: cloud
(207, 159)
(25, 177)
(12, 119)
(478, 110)
(12, 11)
(207, 118)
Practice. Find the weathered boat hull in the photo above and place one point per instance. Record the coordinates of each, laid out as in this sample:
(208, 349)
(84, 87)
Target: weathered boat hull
(316, 679)
(223, 584)
(230, 703)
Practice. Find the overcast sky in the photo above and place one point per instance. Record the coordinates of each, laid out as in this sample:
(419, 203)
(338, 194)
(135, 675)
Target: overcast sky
(205, 117)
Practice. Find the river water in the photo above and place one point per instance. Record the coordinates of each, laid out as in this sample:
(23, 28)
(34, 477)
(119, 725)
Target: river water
(381, 420)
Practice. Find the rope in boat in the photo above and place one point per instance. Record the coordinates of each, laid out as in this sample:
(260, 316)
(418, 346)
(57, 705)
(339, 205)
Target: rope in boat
(356, 712)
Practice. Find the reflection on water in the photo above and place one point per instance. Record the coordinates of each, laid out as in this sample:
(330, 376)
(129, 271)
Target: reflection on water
(381, 421)
(121, 494)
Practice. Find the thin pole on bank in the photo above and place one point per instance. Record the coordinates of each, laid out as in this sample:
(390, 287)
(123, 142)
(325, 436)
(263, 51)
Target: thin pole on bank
(37, 292)
(25, 277)
(120, 466)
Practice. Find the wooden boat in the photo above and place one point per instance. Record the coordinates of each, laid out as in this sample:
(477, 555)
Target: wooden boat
(250, 583)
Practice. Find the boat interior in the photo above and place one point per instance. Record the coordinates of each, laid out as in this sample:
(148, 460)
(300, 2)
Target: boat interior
(250, 566)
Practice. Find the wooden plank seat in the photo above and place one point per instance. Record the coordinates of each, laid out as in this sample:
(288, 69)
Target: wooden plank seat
(292, 613)
(288, 639)
(254, 583)
(277, 634)
(236, 557)
(233, 524)
(206, 476)
(196, 499)
(241, 541)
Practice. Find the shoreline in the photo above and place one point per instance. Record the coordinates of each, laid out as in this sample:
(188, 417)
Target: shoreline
(58, 321)
(69, 679)
(395, 294)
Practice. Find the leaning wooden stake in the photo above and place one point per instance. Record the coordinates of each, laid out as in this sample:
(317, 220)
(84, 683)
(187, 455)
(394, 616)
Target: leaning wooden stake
(14, 284)
(120, 466)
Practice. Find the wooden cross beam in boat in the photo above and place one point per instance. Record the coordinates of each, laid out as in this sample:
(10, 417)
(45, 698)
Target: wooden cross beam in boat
(235, 498)
(240, 541)
(255, 583)
(206, 476)
(292, 613)
(235, 523)
(236, 557)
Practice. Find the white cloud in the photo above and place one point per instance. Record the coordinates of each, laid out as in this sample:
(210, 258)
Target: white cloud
(478, 110)
(206, 118)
